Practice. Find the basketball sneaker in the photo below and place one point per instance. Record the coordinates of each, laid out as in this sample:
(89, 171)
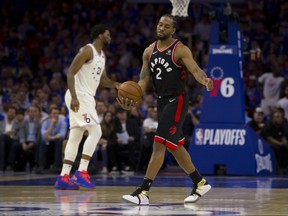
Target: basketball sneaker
(198, 191)
(138, 197)
(65, 183)
(82, 179)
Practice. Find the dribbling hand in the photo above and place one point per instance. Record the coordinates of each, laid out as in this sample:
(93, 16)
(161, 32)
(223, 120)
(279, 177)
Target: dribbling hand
(126, 103)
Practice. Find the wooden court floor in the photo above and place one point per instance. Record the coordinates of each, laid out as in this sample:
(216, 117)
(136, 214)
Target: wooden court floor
(22, 194)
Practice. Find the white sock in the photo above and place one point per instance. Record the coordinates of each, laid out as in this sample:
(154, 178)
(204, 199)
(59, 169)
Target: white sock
(66, 169)
(83, 165)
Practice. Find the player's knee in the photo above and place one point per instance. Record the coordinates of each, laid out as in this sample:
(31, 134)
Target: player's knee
(157, 146)
(70, 154)
(95, 132)
(96, 136)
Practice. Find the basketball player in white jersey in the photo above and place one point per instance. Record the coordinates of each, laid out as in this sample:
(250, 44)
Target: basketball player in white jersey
(85, 74)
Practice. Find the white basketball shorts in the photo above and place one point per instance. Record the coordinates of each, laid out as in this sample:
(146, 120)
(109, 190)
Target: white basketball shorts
(86, 115)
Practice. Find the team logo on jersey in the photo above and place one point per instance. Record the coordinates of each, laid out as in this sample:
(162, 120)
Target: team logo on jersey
(86, 118)
(172, 130)
(160, 61)
(168, 52)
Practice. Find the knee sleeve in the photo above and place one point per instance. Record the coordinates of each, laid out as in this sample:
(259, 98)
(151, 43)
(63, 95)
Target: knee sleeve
(93, 138)
(73, 142)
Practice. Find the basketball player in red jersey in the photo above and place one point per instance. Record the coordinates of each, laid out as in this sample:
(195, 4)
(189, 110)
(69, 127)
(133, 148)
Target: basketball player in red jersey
(167, 61)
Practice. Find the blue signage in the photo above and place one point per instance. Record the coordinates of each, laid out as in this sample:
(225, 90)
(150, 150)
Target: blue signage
(225, 69)
(236, 147)
(222, 140)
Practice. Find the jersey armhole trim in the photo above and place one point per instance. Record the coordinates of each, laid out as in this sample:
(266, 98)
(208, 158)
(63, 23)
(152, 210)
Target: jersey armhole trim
(173, 51)
(93, 53)
(151, 51)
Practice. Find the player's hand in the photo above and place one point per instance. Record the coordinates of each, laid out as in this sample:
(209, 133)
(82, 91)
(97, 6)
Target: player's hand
(126, 103)
(209, 84)
(74, 105)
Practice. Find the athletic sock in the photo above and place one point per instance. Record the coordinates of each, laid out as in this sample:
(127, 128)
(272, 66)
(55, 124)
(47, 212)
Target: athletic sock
(83, 165)
(146, 184)
(195, 176)
(66, 169)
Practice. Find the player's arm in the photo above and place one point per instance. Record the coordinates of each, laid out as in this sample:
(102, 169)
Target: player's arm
(85, 54)
(127, 104)
(184, 54)
(107, 82)
(145, 71)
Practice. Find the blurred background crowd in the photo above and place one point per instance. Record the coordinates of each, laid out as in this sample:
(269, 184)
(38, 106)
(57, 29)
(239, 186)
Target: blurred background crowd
(39, 39)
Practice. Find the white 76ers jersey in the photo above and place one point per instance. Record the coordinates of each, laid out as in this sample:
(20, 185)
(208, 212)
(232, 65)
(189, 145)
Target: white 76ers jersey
(88, 77)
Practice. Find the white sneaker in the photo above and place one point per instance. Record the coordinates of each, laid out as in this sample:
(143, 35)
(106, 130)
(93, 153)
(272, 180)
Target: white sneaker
(138, 197)
(198, 191)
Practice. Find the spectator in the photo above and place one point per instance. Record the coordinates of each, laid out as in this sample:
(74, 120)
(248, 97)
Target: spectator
(283, 102)
(271, 82)
(258, 121)
(53, 131)
(127, 141)
(9, 138)
(107, 140)
(150, 125)
(30, 136)
(101, 109)
(276, 134)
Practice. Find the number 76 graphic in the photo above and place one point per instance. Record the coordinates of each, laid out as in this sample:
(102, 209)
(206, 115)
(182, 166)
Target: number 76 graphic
(224, 86)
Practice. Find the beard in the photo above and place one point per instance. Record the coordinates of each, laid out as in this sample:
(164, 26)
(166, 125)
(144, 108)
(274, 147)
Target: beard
(162, 37)
(106, 43)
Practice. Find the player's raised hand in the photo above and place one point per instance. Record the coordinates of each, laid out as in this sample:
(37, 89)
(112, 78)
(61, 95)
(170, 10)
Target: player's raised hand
(209, 84)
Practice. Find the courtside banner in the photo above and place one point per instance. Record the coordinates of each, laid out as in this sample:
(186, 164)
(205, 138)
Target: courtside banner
(225, 103)
(236, 147)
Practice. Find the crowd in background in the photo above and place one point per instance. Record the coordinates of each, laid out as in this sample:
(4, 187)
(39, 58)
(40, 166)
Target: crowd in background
(39, 39)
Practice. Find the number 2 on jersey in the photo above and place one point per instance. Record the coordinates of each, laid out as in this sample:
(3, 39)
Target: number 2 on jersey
(158, 74)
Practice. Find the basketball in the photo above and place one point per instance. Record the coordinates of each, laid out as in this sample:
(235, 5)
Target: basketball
(131, 90)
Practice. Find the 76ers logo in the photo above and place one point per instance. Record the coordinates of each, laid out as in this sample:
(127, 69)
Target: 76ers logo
(223, 85)
(86, 118)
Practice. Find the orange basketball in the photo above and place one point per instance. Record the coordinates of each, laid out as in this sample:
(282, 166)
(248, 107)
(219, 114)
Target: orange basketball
(131, 90)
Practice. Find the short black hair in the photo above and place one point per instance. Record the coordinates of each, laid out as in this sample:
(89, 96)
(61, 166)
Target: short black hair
(97, 30)
(173, 18)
